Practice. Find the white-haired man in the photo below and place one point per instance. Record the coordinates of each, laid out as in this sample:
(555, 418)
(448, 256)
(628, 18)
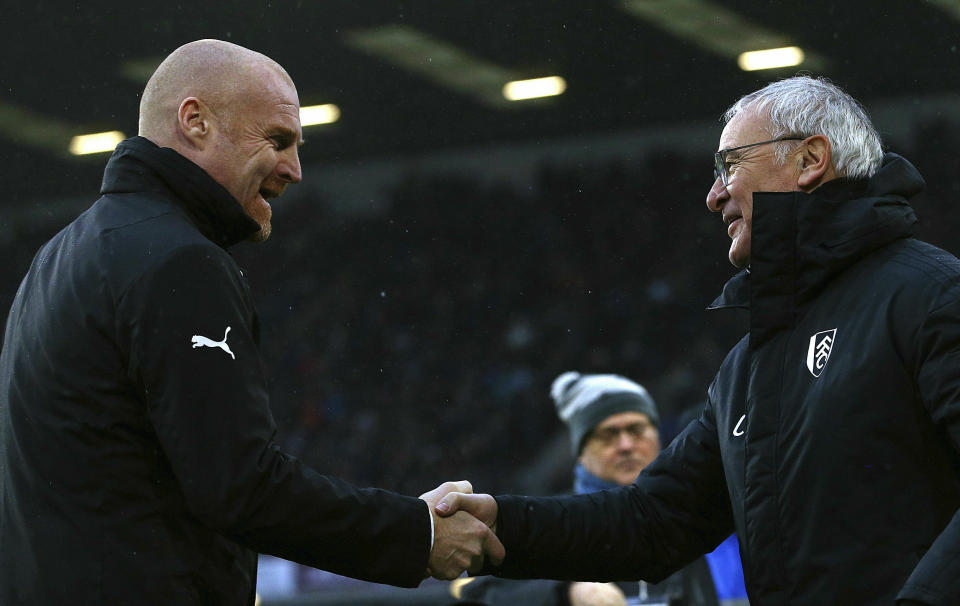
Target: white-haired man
(831, 437)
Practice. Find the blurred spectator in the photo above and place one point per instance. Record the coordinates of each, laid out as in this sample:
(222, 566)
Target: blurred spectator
(613, 425)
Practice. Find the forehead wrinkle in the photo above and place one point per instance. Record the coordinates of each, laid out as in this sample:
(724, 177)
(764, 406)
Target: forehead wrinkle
(267, 93)
(749, 123)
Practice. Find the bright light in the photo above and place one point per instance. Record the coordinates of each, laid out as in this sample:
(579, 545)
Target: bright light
(519, 90)
(95, 143)
(770, 58)
(319, 114)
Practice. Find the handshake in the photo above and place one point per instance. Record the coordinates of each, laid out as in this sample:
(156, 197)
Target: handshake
(464, 530)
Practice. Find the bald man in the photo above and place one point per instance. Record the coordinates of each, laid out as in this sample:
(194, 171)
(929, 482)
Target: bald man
(138, 455)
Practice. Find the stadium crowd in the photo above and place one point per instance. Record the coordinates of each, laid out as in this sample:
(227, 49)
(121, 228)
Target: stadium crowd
(418, 344)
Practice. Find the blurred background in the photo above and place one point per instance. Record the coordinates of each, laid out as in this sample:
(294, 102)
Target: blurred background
(494, 192)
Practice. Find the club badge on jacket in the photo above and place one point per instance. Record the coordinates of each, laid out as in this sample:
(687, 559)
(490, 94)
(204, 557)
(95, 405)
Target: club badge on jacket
(818, 352)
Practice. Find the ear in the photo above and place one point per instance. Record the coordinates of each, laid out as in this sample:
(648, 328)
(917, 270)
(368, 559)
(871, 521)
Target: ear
(193, 121)
(815, 167)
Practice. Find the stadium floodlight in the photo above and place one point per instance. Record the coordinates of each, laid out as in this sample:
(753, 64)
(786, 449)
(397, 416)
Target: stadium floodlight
(95, 143)
(713, 26)
(442, 62)
(311, 115)
(519, 90)
(770, 58)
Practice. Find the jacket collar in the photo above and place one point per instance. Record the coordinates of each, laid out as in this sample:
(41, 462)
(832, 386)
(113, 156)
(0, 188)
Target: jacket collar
(799, 241)
(139, 165)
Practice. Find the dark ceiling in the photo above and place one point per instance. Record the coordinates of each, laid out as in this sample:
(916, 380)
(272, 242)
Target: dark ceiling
(62, 60)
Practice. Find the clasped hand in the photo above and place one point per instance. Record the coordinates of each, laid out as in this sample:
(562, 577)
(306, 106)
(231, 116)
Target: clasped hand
(464, 534)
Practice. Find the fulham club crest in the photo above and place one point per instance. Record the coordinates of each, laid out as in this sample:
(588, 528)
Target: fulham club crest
(821, 344)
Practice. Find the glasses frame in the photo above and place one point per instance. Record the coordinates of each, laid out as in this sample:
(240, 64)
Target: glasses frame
(609, 436)
(720, 157)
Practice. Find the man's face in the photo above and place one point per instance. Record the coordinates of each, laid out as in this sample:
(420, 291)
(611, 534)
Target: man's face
(620, 446)
(254, 153)
(749, 170)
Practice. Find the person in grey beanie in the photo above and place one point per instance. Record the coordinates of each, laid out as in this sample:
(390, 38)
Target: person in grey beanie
(613, 426)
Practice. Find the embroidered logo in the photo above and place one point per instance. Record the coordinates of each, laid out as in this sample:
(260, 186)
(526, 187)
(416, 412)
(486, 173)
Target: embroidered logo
(736, 430)
(821, 345)
(201, 341)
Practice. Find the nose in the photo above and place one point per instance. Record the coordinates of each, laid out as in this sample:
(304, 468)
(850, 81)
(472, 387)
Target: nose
(289, 166)
(717, 196)
(626, 440)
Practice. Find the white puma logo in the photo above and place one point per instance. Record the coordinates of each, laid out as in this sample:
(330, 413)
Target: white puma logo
(201, 341)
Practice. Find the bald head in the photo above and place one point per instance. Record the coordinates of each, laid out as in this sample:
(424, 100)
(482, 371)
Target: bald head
(234, 113)
(220, 74)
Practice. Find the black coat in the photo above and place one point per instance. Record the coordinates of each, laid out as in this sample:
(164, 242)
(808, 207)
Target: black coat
(830, 442)
(138, 454)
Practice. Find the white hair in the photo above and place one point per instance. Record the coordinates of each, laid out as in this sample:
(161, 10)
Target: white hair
(805, 106)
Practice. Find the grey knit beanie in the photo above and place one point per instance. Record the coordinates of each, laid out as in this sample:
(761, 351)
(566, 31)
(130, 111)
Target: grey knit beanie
(584, 401)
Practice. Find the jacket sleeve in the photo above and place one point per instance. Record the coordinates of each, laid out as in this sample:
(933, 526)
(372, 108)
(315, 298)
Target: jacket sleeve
(676, 510)
(189, 329)
(936, 578)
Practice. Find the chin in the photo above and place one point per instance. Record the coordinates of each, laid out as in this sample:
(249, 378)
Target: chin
(738, 259)
(739, 254)
(262, 214)
(262, 235)
(628, 476)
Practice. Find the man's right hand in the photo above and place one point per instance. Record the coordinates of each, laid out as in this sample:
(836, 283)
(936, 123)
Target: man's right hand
(460, 540)
(596, 594)
(484, 508)
(481, 506)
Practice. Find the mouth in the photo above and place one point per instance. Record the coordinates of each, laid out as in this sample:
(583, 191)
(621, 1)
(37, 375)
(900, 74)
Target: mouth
(630, 463)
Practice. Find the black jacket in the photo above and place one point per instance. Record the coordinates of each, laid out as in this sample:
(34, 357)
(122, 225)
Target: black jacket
(138, 454)
(830, 442)
(691, 586)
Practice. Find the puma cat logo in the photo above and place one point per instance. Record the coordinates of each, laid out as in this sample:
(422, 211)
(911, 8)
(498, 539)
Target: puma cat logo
(201, 341)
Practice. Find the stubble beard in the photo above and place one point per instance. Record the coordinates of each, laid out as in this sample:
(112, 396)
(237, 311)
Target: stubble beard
(262, 214)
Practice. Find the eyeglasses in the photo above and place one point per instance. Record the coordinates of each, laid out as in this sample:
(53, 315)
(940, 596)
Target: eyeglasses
(609, 435)
(720, 158)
